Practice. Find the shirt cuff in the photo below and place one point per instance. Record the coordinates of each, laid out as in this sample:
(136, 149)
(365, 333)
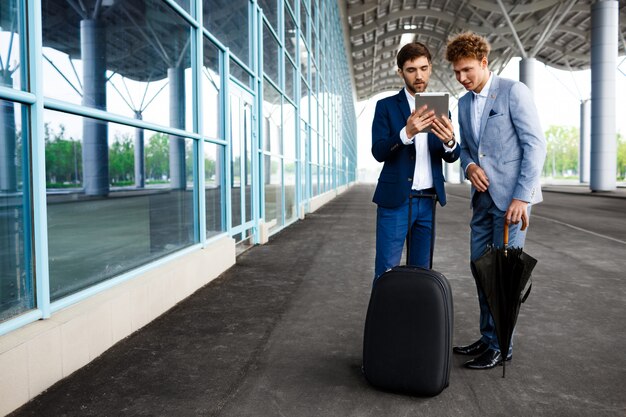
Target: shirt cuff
(404, 138)
(445, 147)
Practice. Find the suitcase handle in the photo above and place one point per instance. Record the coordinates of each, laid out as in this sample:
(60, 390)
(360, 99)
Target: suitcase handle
(432, 229)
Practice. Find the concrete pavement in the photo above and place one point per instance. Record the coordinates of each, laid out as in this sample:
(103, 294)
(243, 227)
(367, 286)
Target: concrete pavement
(280, 333)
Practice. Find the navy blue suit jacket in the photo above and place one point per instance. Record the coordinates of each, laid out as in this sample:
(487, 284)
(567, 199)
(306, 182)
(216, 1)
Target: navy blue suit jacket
(396, 178)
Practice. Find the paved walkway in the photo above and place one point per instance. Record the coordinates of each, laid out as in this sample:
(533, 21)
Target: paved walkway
(280, 333)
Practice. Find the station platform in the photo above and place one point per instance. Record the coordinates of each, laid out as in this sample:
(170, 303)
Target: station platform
(280, 333)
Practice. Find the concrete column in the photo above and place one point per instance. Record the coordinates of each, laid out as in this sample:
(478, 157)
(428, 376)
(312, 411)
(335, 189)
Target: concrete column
(527, 72)
(95, 132)
(604, 36)
(585, 141)
(140, 170)
(176, 77)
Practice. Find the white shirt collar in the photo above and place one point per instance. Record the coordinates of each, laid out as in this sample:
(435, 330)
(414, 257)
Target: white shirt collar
(410, 97)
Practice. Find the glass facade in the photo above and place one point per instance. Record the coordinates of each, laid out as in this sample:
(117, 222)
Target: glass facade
(165, 124)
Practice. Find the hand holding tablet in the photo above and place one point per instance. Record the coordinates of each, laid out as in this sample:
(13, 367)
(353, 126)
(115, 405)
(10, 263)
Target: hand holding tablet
(434, 101)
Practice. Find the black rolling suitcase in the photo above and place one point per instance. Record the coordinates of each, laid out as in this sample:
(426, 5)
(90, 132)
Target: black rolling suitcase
(407, 344)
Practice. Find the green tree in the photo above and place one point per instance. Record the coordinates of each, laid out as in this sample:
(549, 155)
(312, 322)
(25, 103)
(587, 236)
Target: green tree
(122, 159)
(621, 157)
(63, 158)
(562, 151)
(157, 157)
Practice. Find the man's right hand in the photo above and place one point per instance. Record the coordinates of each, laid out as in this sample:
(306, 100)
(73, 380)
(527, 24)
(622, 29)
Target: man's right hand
(477, 177)
(419, 120)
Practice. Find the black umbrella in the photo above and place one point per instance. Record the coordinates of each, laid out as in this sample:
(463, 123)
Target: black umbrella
(502, 274)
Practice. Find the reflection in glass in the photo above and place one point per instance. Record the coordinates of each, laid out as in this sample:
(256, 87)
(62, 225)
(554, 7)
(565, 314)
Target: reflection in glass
(241, 74)
(211, 83)
(304, 60)
(289, 129)
(291, 79)
(213, 183)
(270, 10)
(93, 238)
(290, 34)
(273, 191)
(131, 58)
(291, 213)
(16, 277)
(235, 159)
(271, 54)
(272, 119)
(224, 19)
(11, 62)
(304, 101)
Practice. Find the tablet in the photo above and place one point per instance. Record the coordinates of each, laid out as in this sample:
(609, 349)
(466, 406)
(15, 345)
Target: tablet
(435, 101)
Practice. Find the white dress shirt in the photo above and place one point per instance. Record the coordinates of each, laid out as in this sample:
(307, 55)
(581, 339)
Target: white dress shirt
(423, 175)
(478, 106)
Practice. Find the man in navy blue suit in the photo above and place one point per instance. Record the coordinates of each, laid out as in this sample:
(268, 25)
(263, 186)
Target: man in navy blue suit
(412, 163)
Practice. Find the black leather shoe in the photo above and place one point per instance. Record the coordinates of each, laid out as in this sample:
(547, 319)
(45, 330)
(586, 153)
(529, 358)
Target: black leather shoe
(475, 348)
(487, 360)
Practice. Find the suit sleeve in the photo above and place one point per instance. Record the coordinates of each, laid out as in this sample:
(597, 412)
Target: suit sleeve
(531, 139)
(466, 156)
(385, 142)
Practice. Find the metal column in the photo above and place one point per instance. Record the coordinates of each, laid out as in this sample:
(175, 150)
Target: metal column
(527, 72)
(176, 77)
(95, 132)
(604, 36)
(585, 141)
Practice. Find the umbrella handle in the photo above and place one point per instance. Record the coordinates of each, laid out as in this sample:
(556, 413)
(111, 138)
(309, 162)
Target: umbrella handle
(506, 234)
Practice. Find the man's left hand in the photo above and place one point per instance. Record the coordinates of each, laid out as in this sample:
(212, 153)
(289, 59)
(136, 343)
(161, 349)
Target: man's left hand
(517, 211)
(442, 127)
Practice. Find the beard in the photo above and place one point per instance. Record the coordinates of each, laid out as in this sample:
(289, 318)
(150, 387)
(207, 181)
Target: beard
(416, 87)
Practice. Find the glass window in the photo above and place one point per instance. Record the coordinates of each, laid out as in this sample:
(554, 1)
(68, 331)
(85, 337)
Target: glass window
(291, 214)
(272, 119)
(304, 21)
(291, 4)
(314, 180)
(117, 197)
(304, 60)
(16, 277)
(314, 148)
(211, 93)
(289, 129)
(229, 21)
(273, 191)
(134, 59)
(184, 4)
(214, 188)
(241, 74)
(291, 35)
(270, 10)
(271, 54)
(12, 65)
(291, 79)
(304, 101)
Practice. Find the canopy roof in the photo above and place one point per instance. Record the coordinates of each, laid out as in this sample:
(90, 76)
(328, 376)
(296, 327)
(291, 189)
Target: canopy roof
(555, 32)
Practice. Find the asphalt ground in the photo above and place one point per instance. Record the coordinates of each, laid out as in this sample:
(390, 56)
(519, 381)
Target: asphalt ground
(280, 333)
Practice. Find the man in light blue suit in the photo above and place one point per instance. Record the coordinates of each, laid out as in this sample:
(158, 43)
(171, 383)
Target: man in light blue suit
(412, 164)
(502, 154)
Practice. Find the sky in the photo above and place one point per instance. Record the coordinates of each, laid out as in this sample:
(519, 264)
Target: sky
(558, 95)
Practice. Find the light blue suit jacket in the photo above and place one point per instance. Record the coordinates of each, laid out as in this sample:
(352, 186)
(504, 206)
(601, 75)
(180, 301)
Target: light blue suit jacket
(510, 148)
